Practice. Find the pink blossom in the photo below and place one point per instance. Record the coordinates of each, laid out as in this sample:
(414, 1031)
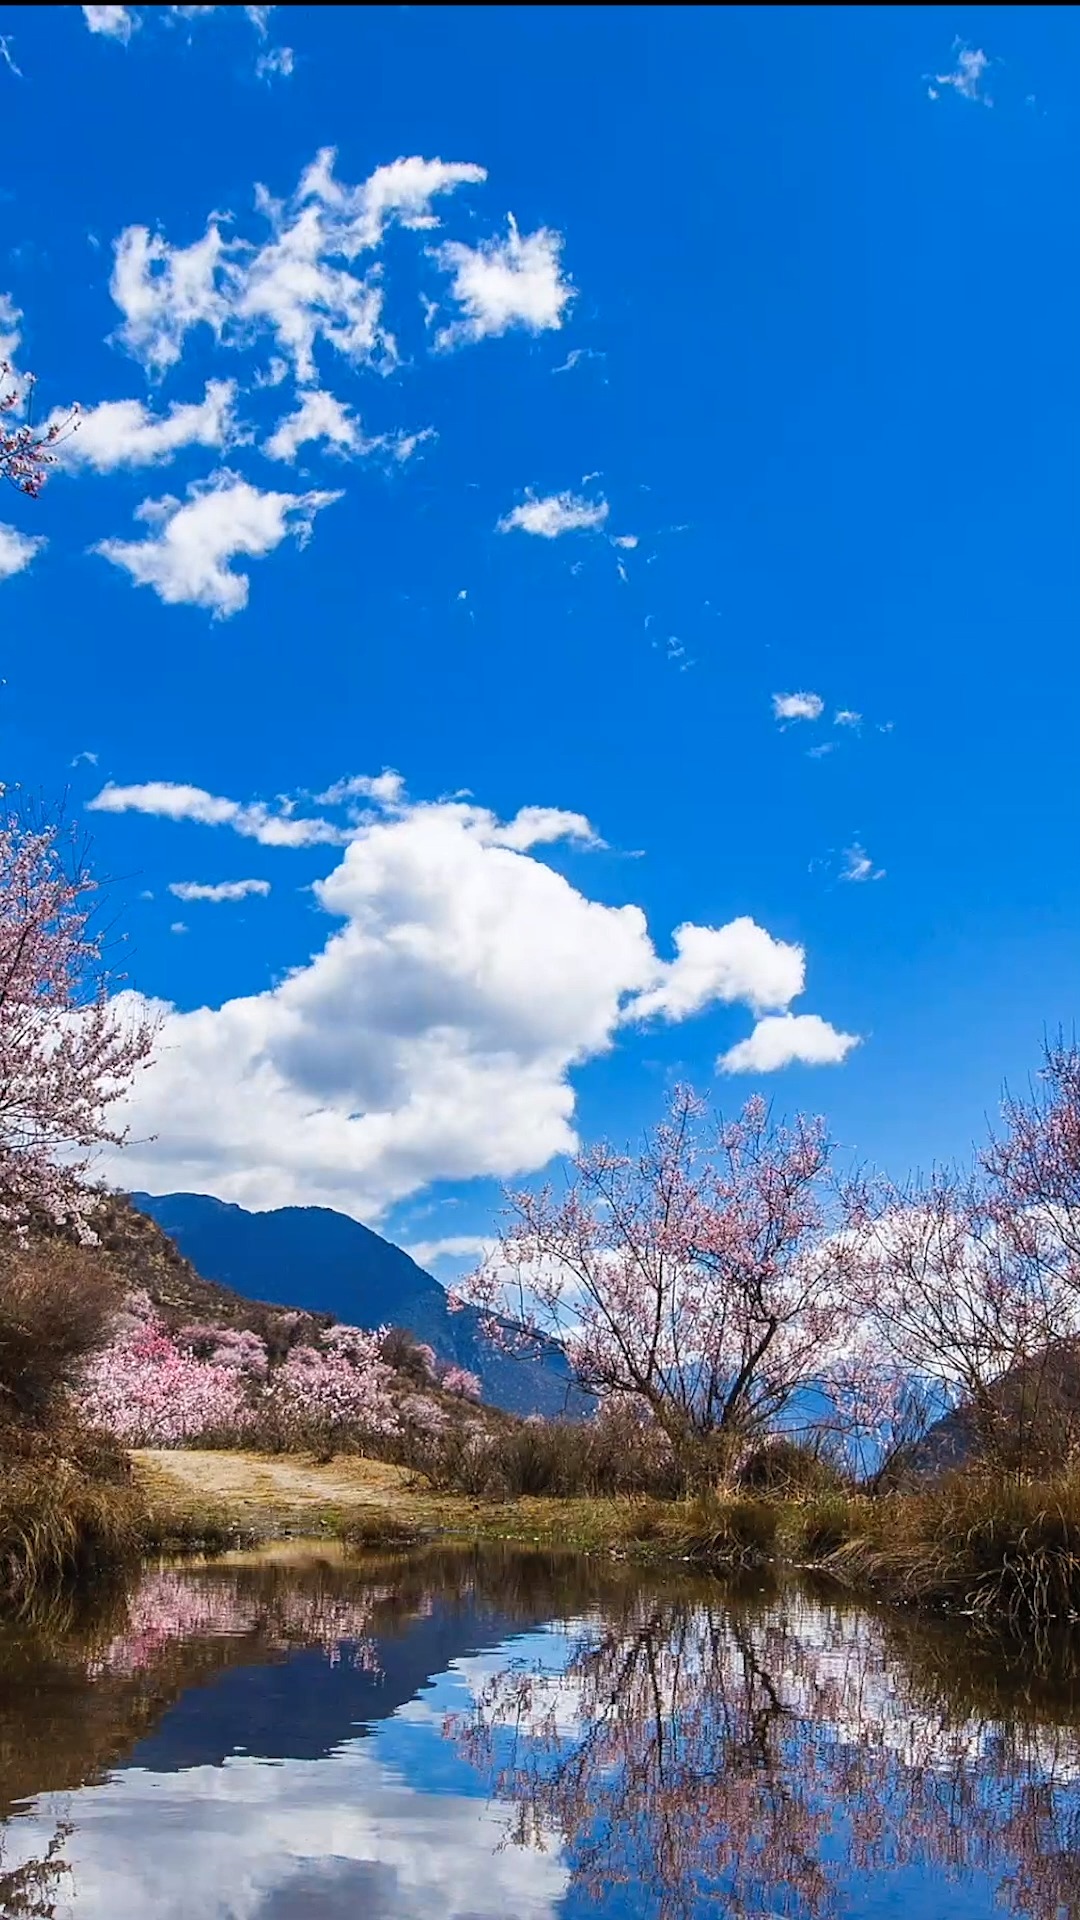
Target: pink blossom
(67, 1053)
(459, 1381)
(693, 1277)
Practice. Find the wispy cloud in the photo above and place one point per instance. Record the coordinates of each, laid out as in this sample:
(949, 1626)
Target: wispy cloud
(6, 55)
(859, 866)
(172, 800)
(797, 706)
(118, 23)
(186, 561)
(217, 892)
(966, 76)
(555, 514)
(516, 282)
(847, 717)
(125, 433)
(17, 550)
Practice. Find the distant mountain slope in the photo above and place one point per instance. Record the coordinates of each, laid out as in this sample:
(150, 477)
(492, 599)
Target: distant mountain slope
(324, 1262)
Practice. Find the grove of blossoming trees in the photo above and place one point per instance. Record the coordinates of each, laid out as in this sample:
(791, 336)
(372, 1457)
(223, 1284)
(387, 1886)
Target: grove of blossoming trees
(150, 1387)
(720, 1280)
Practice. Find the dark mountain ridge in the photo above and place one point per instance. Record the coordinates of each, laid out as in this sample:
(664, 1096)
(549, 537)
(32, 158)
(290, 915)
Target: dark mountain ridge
(325, 1263)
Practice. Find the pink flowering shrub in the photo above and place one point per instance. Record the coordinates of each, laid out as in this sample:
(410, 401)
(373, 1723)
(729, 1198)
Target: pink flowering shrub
(460, 1382)
(149, 1387)
(144, 1389)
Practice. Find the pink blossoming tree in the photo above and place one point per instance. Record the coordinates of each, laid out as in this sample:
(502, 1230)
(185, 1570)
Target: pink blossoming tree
(693, 1277)
(68, 1050)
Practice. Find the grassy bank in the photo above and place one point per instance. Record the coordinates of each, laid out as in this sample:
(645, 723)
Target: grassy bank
(1005, 1552)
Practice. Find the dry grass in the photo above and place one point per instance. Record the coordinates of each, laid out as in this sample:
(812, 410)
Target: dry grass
(69, 1512)
(1004, 1551)
(56, 1303)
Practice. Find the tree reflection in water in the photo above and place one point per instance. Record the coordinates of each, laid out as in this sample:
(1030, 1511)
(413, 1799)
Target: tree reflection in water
(708, 1749)
(696, 1748)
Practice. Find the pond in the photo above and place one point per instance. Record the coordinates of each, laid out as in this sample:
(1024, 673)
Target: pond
(458, 1735)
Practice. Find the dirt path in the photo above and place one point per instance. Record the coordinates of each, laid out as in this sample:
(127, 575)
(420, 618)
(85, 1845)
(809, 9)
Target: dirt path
(275, 1490)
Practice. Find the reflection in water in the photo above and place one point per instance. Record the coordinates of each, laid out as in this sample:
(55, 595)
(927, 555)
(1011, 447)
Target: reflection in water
(469, 1735)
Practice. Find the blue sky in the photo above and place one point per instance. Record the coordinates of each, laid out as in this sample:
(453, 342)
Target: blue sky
(790, 303)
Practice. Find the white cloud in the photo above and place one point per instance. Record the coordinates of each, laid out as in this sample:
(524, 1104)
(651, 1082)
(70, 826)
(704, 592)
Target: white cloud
(847, 717)
(516, 282)
(797, 706)
(859, 865)
(386, 789)
(555, 514)
(627, 540)
(186, 559)
(124, 433)
(178, 927)
(6, 55)
(260, 19)
(171, 800)
(17, 550)
(277, 63)
(118, 23)
(434, 1034)
(85, 758)
(456, 1246)
(10, 337)
(320, 417)
(576, 356)
(782, 1039)
(217, 891)
(299, 284)
(739, 962)
(345, 1833)
(163, 292)
(966, 76)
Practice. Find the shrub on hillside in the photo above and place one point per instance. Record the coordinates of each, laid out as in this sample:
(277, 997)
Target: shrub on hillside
(56, 1304)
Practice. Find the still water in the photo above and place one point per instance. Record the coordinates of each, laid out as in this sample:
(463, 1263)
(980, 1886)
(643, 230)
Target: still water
(460, 1736)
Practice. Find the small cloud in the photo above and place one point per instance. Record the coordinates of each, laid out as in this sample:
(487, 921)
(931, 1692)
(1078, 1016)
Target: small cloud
(847, 717)
(627, 540)
(8, 57)
(117, 23)
(516, 282)
(576, 356)
(277, 63)
(146, 894)
(219, 891)
(797, 706)
(966, 76)
(386, 789)
(557, 513)
(818, 753)
(85, 758)
(464, 594)
(788, 1039)
(186, 560)
(17, 550)
(177, 927)
(456, 1246)
(859, 865)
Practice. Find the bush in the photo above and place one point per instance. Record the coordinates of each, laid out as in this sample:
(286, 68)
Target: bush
(56, 1305)
(609, 1456)
(738, 1531)
(68, 1510)
(1004, 1550)
(791, 1469)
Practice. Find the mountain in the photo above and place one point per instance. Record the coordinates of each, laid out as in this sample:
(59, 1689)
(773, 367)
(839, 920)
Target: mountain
(323, 1262)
